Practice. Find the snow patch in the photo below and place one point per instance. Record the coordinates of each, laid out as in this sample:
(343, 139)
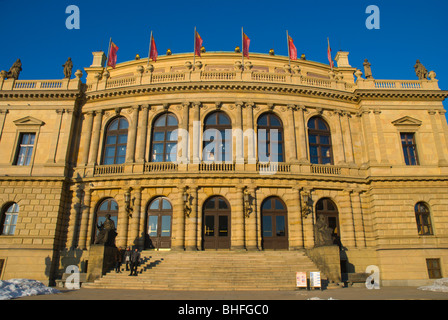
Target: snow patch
(440, 285)
(16, 288)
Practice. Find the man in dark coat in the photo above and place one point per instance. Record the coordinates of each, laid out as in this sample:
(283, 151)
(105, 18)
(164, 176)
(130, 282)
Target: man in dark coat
(135, 259)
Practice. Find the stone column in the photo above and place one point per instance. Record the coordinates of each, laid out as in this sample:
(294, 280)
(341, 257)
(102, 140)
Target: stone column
(438, 143)
(196, 141)
(339, 139)
(55, 137)
(191, 222)
(290, 136)
(358, 219)
(301, 135)
(308, 223)
(95, 143)
(86, 137)
(239, 145)
(135, 220)
(75, 213)
(368, 136)
(68, 131)
(347, 134)
(251, 156)
(132, 134)
(85, 218)
(237, 224)
(2, 120)
(381, 141)
(142, 127)
(183, 137)
(346, 220)
(251, 222)
(178, 223)
(295, 221)
(123, 221)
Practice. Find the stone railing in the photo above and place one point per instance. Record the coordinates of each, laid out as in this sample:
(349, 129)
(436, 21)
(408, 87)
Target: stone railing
(397, 84)
(34, 85)
(214, 166)
(108, 169)
(325, 169)
(273, 167)
(160, 167)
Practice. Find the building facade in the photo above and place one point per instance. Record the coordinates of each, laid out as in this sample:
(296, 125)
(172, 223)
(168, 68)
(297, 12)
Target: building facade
(224, 156)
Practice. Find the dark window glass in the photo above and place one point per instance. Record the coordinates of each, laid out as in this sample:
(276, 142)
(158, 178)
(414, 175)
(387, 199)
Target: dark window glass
(116, 141)
(409, 149)
(434, 271)
(270, 138)
(423, 219)
(25, 149)
(319, 141)
(108, 206)
(164, 139)
(9, 219)
(217, 137)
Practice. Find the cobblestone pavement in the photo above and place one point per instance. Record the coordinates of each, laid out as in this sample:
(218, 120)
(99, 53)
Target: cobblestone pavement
(384, 293)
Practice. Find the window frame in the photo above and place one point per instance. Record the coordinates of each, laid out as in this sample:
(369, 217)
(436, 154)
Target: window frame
(406, 154)
(420, 221)
(268, 127)
(219, 155)
(115, 133)
(20, 145)
(4, 215)
(319, 133)
(165, 129)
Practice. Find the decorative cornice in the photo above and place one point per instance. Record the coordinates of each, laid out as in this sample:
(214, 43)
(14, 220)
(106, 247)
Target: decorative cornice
(401, 94)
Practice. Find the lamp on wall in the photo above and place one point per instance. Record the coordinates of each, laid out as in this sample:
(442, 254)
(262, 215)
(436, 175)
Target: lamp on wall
(127, 202)
(306, 204)
(186, 199)
(247, 206)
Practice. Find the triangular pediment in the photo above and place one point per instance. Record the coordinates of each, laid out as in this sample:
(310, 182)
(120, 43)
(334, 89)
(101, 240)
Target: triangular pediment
(28, 121)
(407, 121)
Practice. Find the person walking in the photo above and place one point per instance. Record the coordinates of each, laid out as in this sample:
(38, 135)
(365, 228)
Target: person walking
(135, 259)
(127, 257)
(118, 259)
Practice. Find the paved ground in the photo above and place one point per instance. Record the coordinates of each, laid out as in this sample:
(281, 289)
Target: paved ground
(384, 293)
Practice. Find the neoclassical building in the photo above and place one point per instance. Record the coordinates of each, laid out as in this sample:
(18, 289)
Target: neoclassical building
(224, 156)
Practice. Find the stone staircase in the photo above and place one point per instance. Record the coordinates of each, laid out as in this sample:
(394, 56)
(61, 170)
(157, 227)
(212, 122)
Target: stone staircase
(211, 270)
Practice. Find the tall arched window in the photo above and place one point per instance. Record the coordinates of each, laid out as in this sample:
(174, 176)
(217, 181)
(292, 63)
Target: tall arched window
(217, 137)
(116, 141)
(9, 219)
(107, 206)
(270, 138)
(164, 139)
(319, 138)
(423, 219)
(159, 219)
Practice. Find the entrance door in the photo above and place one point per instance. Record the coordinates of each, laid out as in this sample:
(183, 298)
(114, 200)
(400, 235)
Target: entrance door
(274, 224)
(160, 212)
(216, 224)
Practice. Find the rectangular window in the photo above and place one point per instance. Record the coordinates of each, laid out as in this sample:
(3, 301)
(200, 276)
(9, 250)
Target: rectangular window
(434, 270)
(25, 149)
(409, 149)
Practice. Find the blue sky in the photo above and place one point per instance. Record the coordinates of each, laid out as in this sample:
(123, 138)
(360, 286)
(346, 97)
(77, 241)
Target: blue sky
(35, 31)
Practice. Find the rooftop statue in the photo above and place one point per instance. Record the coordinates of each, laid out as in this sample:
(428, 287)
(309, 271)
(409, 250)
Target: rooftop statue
(68, 66)
(367, 69)
(14, 71)
(420, 71)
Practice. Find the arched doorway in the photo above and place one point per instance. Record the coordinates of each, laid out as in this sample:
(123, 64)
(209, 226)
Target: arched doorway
(327, 209)
(159, 218)
(107, 206)
(274, 224)
(216, 224)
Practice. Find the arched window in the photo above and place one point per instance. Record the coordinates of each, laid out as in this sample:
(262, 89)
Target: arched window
(217, 137)
(107, 206)
(9, 219)
(270, 138)
(274, 224)
(319, 138)
(327, 216)
(423, 218)
(116, 141)
(160, 213)
(164, 139)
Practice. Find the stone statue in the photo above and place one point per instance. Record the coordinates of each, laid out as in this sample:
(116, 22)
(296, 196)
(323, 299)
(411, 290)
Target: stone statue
(324, 234)
(107, 233)
(15, 70)
(420, 71)
(68, 66)
(367, 69)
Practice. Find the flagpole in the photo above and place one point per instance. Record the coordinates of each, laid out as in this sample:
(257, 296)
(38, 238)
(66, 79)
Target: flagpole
(242, 47)
(289, 54)
(194, 48)
(331, 64)
(108, 51)
(150, 47)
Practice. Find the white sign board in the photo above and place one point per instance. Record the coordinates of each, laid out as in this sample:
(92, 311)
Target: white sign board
(315, 279)
(301, 279)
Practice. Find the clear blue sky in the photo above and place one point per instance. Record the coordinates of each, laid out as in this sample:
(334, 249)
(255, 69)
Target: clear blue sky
(35, 31)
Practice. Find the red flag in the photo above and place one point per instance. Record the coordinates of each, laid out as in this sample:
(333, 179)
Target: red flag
(153, 52)
(292, 49)
(329, 56)
(197, 44)
(246, 43)
(112, 60)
